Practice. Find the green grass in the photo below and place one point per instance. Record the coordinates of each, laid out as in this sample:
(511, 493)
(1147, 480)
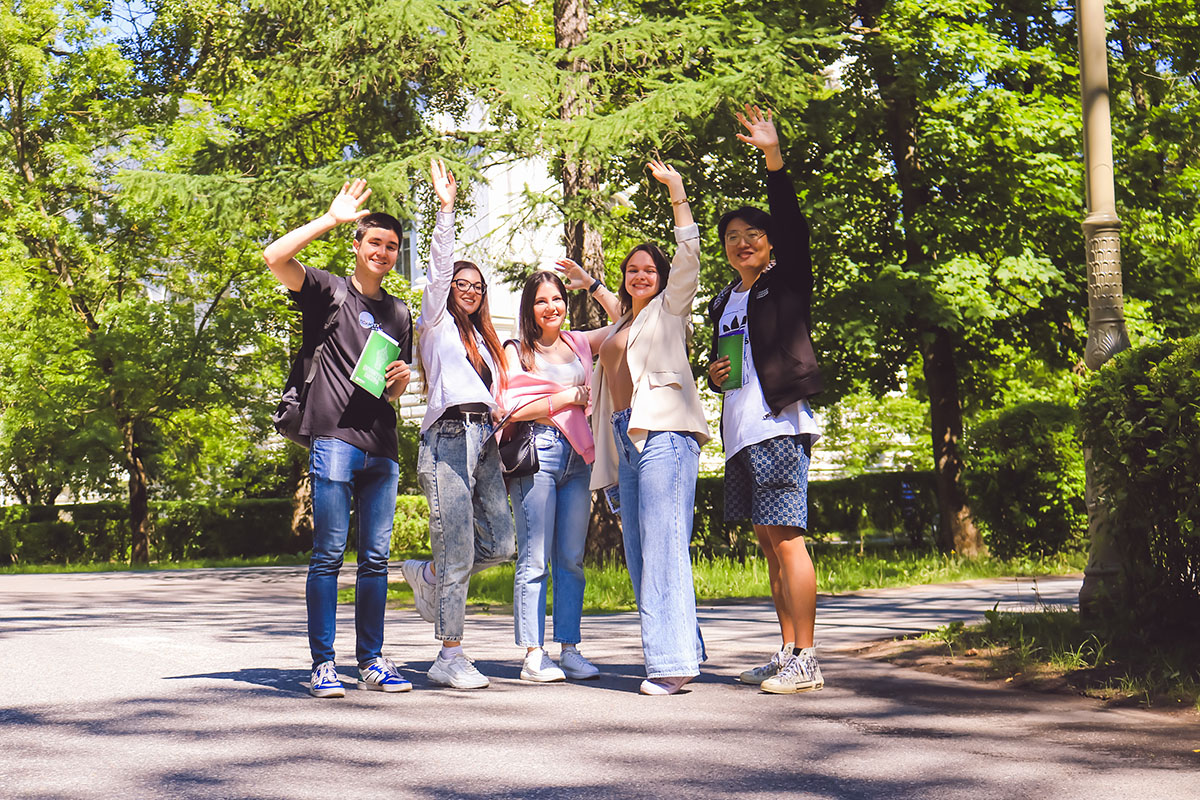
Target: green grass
(1121, 666)
(839, 570)
(195, 563)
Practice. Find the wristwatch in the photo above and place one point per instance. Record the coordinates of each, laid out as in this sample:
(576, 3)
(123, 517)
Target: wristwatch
(596, 284)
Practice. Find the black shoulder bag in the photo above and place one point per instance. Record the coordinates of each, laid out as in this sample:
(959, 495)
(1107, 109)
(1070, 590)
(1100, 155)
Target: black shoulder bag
(518, 450)
(290, 411)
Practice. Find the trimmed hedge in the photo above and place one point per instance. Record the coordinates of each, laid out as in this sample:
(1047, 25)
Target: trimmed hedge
(1026, 481)
(410, 533)
(901, 503)
(1141, 418)
(182, 529)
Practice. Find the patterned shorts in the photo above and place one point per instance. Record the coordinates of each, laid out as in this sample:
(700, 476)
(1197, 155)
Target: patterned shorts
(768, 482)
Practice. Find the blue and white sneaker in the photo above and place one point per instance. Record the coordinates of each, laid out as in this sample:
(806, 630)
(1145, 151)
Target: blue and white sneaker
(325, 681)
(381, 675)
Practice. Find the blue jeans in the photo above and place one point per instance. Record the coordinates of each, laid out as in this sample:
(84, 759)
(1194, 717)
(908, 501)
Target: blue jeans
(470, 528)
(658, 496)
(341, 474)
(551, 508)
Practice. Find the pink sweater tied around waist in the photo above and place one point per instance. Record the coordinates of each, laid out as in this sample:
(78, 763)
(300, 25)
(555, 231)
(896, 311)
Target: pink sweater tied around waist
(572, 420)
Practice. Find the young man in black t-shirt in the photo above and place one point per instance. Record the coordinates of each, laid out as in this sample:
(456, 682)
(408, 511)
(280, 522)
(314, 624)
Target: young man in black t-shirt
(353, 456)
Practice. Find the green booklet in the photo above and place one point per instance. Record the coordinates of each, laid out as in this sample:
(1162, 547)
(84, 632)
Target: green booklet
(731, 344)
(379, 351)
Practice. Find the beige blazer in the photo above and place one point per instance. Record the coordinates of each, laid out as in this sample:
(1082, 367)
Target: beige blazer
(664, 392)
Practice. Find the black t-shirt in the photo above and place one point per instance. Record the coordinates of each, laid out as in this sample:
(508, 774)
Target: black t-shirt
(335, 406)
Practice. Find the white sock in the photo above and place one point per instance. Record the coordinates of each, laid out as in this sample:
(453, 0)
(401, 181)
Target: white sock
(448, 653)
(428, 575)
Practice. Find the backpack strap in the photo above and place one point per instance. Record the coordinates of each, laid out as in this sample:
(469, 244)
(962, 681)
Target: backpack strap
(339, 299)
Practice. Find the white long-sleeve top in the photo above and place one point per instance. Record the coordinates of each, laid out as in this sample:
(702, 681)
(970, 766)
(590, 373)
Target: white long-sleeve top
(450, 379)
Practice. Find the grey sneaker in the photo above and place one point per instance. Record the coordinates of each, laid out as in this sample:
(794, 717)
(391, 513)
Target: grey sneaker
(540, 668)
(575, 666)
(458, 673)
(769, 670)
(424, 593)
(801, 674)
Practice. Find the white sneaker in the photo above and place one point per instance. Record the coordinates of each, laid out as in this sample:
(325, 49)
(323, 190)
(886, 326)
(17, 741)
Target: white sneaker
(458, 672)
(769, 670)
(664, 686)
(540, 668)
(575, 666)
(800, 674)
(424, 592)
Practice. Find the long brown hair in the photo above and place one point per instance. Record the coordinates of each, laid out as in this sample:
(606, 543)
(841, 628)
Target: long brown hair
(527, 326)
(480, 321)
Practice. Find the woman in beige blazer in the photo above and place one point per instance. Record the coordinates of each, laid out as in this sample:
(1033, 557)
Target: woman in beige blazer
(648, 425)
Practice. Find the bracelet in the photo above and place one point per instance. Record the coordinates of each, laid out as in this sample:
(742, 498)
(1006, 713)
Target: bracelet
(550, 403)
(679, 202)
(596, 284)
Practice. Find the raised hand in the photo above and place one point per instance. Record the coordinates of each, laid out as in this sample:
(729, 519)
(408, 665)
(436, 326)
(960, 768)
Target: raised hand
(346, 207)
(573, 275)
(665, 174)
(444, 185)
(760, 129)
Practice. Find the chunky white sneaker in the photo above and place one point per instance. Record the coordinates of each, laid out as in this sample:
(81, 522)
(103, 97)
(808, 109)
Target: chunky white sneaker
(540, 668)
(575, 666)
(801, 674)
(424, 592)
(325, 681)
(381, 675)
(458, 672)
(769, 670)
(665, 686)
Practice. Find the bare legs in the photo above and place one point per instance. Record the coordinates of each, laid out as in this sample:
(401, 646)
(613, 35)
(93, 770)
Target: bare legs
(793, 581)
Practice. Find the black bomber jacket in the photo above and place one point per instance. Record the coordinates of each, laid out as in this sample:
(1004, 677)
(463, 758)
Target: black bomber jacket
(779, 308)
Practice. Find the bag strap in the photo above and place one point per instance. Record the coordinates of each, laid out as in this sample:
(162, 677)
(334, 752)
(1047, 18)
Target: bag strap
(507, 417)
(339, 299)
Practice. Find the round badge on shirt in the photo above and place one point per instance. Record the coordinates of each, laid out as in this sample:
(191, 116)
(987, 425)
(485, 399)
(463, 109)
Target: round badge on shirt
(365, 319)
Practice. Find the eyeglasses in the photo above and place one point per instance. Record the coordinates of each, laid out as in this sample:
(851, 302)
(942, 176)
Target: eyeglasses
(749, 237)
(465, 286)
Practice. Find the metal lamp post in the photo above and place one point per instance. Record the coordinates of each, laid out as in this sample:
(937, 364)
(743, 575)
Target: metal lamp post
(1106, 310)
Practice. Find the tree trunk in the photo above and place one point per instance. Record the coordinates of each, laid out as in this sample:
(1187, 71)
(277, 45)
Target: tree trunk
(900, 104)
(583, 245)
(604, 541)
(139, 516)
(957, 531)
(579, 179)
(302, 528)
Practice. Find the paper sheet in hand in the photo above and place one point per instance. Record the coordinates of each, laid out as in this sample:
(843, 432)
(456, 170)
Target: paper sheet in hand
(379, 351)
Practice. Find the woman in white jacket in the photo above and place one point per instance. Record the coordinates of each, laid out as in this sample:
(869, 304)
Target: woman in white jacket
(458, 467)
(649, 426)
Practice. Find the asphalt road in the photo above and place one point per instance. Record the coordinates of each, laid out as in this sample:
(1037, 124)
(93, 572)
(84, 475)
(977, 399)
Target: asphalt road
(189, 684)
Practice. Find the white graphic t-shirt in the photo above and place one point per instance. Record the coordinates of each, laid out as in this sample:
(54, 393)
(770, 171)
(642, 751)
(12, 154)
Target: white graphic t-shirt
(746, 419)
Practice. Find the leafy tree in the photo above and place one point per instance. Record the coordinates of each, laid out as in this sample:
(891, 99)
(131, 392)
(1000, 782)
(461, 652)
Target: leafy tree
(150, 305)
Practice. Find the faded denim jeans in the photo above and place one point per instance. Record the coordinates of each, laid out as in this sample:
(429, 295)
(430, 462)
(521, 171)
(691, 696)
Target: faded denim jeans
(470, 528)
(657, 489)
(343, 474)
(552, 508)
